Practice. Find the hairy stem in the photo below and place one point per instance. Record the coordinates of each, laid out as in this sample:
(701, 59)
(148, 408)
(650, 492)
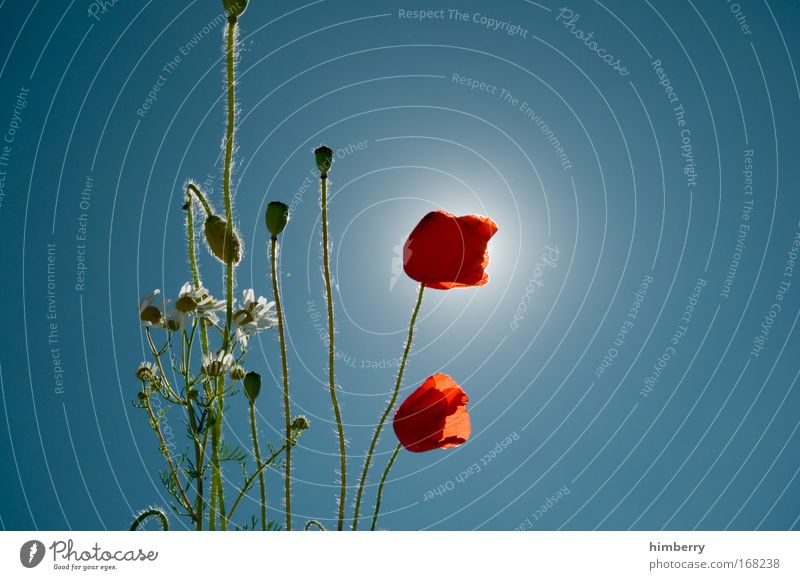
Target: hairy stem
(257, 453)
(249, 481)
(286, 410)
(380, 486)
(151, 513)
(154, 421)
(331, 348)
(390, 406)
(228, 253)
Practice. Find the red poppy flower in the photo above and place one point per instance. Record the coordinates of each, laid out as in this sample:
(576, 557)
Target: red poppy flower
(445, 251)
(434, 416)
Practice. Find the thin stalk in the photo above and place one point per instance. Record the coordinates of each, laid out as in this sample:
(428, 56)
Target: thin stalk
(186, 354)
(249, 481)
(332, 350)
(158, 513)
(226, 188)
(196, 280)
(390, 406)
(257, 453)
(192, 188)
(380, 486)
(165, 451)
(286, 410)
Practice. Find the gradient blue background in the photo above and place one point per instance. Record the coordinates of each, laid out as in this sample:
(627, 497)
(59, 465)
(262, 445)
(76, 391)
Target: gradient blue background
(714, 446)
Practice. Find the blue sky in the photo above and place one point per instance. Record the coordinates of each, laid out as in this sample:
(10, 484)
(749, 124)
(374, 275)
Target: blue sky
(634, 347)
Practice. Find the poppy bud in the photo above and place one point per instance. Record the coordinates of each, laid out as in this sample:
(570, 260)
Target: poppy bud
(324, 157)
(277, 217)
(238, 373)
(215, 229)
(300, 423)
(252, 386)
(234, 7)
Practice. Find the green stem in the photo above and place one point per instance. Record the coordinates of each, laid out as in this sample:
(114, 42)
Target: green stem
(151, 513)
(226, 188)
(249, 481)
(380, 486)
(196, 280)
(192, 188)
(286, 410)
(165, 451)
(390, 406)
(332, 350)
(314, 523)
(257, 453)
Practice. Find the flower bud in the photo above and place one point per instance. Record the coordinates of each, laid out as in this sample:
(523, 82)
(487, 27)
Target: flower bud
(193, 394)
(141, 395)
(252, 386)
(215, 229)
(324, 156)
(237, 373)
(300, 423)
(277, 217)
(234, 7)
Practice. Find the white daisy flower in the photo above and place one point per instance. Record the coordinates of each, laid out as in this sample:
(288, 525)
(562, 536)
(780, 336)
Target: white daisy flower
(146, 372)
(148, 313)
(217, 364)
(253, 317)
(199, 302)
(174, 321)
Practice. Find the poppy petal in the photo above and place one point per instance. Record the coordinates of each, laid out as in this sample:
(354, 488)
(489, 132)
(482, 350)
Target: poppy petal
(445, 251)
(434, 416)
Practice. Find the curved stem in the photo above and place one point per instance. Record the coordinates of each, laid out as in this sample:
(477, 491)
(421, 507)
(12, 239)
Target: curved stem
(390, 406)
(257, 453)
(151, 513)
(314, 523)
(331, 348)
(192, 188)
(286, 410)
(380, 486)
